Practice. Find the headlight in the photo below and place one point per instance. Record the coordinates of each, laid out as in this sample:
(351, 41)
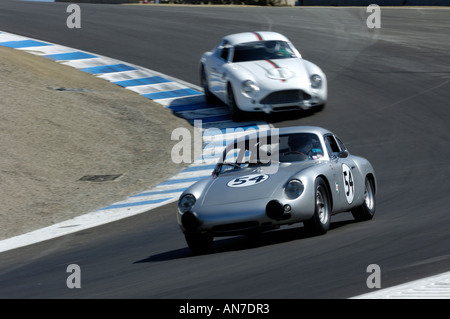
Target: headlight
(294, 189)
(249, 87)
(186, 203)
(316, 81)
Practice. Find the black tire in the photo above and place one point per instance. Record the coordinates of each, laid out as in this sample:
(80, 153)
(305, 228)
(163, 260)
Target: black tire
(367, 210)
(199, 243)
(210, 98)
(235, 112)
(319, 224)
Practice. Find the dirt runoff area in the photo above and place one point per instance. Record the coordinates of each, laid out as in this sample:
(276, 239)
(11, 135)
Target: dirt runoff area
(58, 125)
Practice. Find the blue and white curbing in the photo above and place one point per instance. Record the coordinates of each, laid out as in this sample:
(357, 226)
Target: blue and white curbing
(184, 99)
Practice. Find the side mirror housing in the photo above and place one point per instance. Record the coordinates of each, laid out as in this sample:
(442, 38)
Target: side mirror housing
(343, 154)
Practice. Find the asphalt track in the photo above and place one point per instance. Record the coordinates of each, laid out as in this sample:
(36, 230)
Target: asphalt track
(389, 93)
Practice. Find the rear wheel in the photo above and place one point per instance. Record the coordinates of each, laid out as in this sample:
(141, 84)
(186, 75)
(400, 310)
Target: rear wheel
(367, 210)
(199, 243)
(320, 222)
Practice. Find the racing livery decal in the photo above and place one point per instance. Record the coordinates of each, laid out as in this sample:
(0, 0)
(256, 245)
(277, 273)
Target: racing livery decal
(248, 180)
(349, 187)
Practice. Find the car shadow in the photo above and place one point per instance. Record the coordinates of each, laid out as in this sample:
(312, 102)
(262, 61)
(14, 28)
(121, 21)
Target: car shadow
(180, 106)
(236, 243)
(278, 117)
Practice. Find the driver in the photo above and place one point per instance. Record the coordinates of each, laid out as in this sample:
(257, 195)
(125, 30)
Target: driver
(304, 144)
(272, 46)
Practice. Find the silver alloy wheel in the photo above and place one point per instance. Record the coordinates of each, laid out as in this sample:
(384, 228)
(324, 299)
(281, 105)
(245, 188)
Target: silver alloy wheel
(368, 195)
(322, 208)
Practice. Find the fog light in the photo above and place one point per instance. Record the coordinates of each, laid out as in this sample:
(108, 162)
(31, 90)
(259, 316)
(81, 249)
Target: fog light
(275, 210)
(287, 208)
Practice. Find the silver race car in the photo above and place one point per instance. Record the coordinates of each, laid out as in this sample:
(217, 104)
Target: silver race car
(261, 72)
(277, 177)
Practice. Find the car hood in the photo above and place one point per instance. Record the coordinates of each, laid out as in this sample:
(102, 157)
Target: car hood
(277, 70)
(250, 183)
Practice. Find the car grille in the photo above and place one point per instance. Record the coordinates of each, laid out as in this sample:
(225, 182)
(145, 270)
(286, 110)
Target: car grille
(285, 97)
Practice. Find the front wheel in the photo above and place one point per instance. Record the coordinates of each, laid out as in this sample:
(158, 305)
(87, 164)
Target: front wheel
(235, 112)
(320, 222)
(367, 209)
(204, 81)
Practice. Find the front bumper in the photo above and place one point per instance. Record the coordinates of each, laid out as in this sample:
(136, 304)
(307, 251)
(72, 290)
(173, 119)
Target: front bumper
(242, 217)
(284, 100)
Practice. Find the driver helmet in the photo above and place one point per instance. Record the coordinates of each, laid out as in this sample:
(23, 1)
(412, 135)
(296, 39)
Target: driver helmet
(271, 46)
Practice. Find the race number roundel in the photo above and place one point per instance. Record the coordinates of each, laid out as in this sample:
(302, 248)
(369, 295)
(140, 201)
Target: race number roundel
(349, 186)
(248, 180)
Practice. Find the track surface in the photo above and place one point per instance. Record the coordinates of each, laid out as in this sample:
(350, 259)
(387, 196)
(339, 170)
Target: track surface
(389, 93)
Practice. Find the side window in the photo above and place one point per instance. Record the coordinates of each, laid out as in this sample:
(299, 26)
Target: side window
(341, 145)
(222, 50)
(224, 53)
(331, 144)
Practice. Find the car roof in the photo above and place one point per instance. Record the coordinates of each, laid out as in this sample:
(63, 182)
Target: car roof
(304, 129)
(244, 37)
(290, 130)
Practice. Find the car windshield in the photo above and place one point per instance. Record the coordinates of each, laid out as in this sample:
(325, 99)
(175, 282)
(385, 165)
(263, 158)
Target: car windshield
(262, 50)
(300, 147)
(289, 148)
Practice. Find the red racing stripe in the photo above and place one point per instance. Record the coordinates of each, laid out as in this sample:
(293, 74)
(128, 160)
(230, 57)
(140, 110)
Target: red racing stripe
(273, 64)
(276, 67)
(258, 36)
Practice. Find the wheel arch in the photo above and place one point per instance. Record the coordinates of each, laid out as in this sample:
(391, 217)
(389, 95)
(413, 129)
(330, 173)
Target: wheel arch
(229, 85)
(371, 179)
(202, 69)
(327, 184)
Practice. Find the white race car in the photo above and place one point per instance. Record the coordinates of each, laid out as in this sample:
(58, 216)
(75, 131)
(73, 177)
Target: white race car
(261, 72)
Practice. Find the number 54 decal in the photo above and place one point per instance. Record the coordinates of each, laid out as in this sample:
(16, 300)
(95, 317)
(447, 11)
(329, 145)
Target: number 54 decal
(349, 186)
(248, 180)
